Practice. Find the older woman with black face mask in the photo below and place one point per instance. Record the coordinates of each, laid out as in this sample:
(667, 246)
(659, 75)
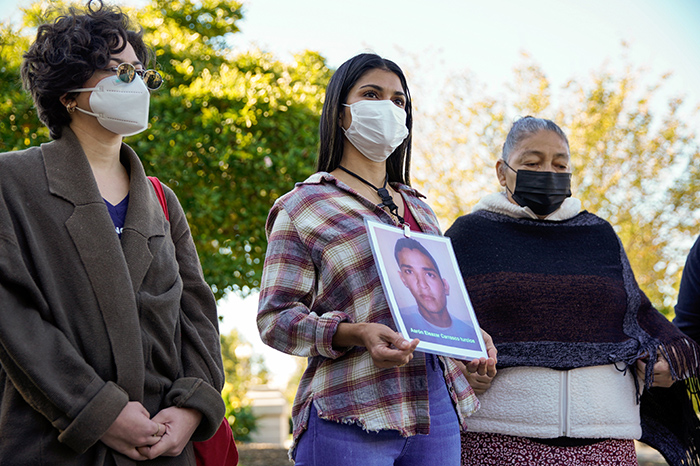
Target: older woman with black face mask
(579, 344)
(110, 349)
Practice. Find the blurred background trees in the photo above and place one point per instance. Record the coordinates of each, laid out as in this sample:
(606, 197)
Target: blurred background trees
(633, 150)
(228, 132)
(244, 370)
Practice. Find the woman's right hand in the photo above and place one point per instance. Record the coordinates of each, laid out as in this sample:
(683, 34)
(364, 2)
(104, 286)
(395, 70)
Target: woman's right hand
(386, 347)
(133, 428)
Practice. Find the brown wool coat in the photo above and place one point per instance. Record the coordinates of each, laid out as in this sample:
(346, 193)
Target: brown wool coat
(89, 322)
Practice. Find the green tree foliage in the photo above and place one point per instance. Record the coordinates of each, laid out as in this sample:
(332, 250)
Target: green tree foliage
(243, 370)
(19, 125)
(293, 384)
(632, 148)
(228, 132)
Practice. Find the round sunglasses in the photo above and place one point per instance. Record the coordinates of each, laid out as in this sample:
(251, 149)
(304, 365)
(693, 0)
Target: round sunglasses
(126, 72)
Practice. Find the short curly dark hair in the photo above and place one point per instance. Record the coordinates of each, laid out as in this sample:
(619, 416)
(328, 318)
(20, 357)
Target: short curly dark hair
(67, 52)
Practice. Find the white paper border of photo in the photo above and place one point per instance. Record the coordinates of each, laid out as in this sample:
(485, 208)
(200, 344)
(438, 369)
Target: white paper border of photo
(380, 236)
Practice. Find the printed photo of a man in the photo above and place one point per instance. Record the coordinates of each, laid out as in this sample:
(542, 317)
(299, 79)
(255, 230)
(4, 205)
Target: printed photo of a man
(429, 319)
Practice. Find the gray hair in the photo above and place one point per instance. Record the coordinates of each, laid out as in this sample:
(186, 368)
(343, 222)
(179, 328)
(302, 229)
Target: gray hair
(526, 127)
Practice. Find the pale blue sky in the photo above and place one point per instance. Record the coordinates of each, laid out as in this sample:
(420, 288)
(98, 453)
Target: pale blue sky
(568, 38)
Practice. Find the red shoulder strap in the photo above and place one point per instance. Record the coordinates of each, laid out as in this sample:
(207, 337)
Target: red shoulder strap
(160, 194)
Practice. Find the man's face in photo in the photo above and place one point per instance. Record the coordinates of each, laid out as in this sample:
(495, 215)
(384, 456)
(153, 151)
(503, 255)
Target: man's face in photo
(423, 280)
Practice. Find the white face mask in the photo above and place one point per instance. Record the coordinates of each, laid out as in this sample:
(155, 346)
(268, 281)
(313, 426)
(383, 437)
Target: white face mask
(378, 127)
(120, 107)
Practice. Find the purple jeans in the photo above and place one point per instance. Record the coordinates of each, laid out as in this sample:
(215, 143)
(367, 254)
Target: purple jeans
(329, 443)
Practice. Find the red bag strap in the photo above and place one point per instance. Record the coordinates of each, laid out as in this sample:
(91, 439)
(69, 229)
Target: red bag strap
(160, 194)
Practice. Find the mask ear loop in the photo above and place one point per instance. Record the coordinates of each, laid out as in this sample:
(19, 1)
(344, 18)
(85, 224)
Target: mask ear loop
(506, 164)
(514, 170)
(72, 109)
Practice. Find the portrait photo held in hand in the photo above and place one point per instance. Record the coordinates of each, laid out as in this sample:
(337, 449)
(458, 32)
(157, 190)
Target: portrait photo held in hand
(426, 295)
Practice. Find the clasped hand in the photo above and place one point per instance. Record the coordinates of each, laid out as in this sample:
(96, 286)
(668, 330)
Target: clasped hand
(136, 435)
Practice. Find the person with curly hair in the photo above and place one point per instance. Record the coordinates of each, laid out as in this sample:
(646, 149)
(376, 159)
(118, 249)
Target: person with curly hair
(109, 342)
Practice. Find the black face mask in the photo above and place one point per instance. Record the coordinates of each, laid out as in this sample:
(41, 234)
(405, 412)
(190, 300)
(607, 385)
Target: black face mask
(543, 192)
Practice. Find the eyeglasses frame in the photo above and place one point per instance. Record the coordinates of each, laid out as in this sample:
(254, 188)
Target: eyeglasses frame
(126, 73)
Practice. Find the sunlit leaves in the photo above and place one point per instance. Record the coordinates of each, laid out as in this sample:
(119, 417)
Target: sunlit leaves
(252, 132)
(244, 370)
(19, 125)
(229, 133)
(634, 154)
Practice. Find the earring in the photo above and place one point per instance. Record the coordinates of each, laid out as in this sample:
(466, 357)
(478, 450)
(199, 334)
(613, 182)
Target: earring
(70, 108)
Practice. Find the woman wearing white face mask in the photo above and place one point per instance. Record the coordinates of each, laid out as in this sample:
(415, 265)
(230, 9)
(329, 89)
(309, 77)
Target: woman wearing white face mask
(366, 396)
(110, 347)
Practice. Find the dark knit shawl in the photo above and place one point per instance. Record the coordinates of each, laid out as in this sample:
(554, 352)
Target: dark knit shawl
(562, 295)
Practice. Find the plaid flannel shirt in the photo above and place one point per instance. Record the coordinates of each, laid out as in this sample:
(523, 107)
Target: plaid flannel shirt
(319, 272)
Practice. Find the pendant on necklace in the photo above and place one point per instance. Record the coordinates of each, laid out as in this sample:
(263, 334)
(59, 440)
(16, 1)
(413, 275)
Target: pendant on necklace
(383, 193)
(387, 200)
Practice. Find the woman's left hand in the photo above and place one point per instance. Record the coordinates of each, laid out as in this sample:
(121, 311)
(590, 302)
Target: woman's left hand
(480, 382)
(180, 424)
(482, 365)
(480, 372)
(662, 371)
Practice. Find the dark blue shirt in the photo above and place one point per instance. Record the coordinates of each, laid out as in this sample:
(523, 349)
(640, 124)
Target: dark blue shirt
(118, 214)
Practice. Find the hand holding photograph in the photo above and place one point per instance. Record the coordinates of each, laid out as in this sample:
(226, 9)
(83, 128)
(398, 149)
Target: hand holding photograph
(425, 291)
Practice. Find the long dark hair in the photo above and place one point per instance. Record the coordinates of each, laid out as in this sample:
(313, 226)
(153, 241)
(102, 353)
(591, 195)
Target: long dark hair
(330, 151)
